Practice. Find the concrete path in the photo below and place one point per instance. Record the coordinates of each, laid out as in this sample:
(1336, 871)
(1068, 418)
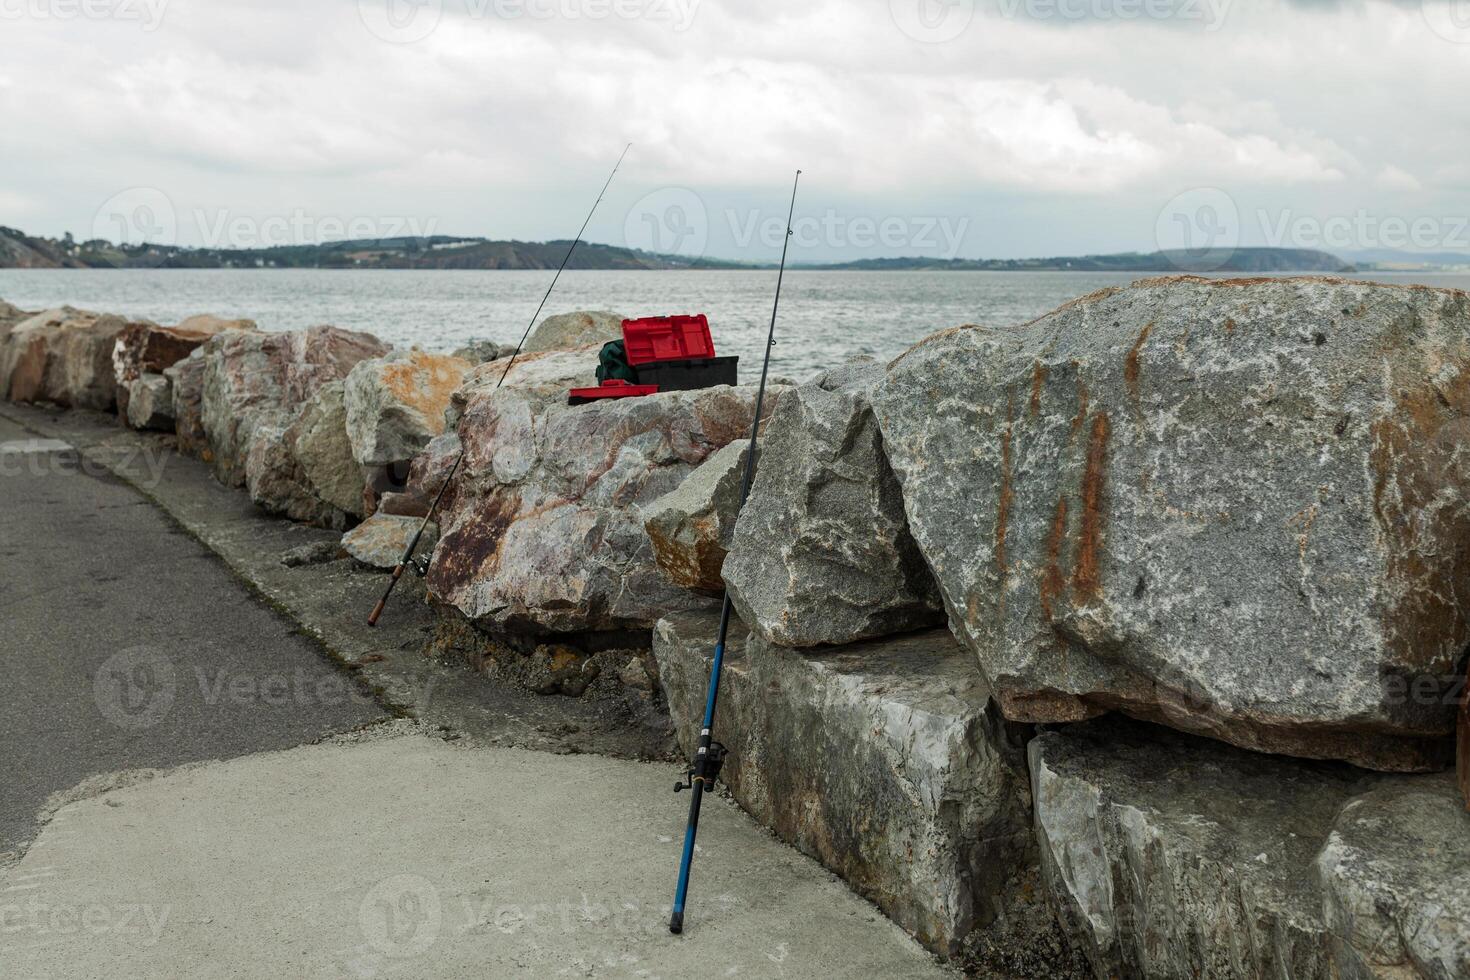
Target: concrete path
(410, 857)
(131, 653)
(125, 644)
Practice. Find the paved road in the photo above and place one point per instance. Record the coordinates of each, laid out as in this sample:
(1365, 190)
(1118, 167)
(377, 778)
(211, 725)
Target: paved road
(125, 644)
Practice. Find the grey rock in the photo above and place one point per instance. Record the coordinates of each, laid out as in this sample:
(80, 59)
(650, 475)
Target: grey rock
(822, 552)
(186, 382)
(1173, 856)
(692, 527)
(568, 331)
(1396, 874)
(483, 351)
(542, 530)
(381, 540)
(321, 447)
(150, 403)
(278, 484)
(315, 553)
(886, 760)
(1229, 506)
(396, 403)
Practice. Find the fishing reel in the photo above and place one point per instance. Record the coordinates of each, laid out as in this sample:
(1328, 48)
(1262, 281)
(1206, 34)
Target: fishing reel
(714, 760)
(420, 565)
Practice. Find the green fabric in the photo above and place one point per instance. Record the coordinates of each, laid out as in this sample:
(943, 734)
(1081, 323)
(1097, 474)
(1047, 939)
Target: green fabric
(613, 363)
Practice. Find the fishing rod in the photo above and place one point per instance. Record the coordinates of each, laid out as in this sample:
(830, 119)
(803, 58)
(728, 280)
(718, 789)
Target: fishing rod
(422, 568)
(710, 755)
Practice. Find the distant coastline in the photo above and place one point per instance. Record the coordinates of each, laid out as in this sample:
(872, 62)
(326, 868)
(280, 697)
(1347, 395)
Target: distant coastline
(21, 251)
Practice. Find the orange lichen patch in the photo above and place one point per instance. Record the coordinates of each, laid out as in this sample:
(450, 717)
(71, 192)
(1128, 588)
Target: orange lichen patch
(1039, 372)
(1053, 579)
(1130, 362)
(1415, 461)
(1230, 325)
(424, 383)
(1087, 575)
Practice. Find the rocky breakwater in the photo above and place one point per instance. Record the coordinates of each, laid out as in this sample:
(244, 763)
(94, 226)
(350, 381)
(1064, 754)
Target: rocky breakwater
(262, 394)
(543, 532)
(141, 358)
(1237, 508)
(62, 356)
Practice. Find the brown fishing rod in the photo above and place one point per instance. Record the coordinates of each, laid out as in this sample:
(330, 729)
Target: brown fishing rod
(413, 543)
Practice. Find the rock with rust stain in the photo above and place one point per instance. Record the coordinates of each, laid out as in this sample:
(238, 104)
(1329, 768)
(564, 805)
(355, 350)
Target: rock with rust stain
(62, 356)
(381, 540)
(823, 552)
(568, 331)
(1169, 856)
(149, 349)
(543, 529)
(691, 529)
(885, 760)
(1237, 507)
(253, 380)
(395, 404)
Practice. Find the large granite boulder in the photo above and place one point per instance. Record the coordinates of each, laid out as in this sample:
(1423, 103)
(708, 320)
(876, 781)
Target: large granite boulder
(254, 380)
(1237, 507)
(691, 528)
(186, 388)
(319, 441)
(543, 531)
(568, 331)
(63, 356)
(395, 404)
(276, 479)
(885, 760)
(1171, 856)
(381, 540)
(149, 349)
(822, 552)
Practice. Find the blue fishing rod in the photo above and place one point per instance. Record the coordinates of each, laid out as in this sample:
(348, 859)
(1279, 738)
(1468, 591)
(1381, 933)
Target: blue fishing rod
(710, 755)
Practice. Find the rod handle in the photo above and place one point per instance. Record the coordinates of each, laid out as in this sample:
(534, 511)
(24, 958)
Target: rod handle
(383, 602)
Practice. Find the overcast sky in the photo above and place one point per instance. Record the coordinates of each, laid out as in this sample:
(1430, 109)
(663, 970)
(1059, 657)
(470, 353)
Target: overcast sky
(993, 128)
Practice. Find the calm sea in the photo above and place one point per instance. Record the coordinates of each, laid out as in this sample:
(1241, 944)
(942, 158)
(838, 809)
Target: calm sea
(825, 316)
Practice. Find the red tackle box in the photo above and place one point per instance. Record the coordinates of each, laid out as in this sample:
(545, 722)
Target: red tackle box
(668, 338)
(611, 388)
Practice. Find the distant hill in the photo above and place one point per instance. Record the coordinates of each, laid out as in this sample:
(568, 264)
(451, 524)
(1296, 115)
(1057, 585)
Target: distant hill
(18, 250)
(1237, 260)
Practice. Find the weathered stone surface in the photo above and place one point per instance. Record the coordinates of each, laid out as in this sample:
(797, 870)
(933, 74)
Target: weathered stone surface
(482, 351)
(691, 528)
(63, 356)
(1396, 873)
(885, 760)
(322, 449)
(542, 531)
(186, 381)
(1169, 856)
(395, 404)
(403, 505)
(1172, 856)
(1236, 507)
(1462, 753)
(822, 552)
(381, 539)
(150, 402)
(568, 331)
(147, 348)
(277, 481)
(261, 379)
